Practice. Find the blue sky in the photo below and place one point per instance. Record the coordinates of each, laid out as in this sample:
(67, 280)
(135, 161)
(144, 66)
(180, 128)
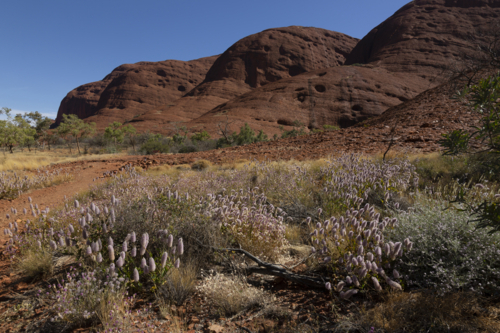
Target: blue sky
(50, 47)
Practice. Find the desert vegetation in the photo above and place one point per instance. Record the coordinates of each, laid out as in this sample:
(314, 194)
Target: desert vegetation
(368, 229)
(31, 131)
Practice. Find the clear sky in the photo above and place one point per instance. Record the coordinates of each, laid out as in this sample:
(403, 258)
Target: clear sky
(50, 47)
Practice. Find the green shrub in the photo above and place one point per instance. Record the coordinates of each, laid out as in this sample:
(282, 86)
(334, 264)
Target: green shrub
(187, 149)
(154, 146)
(449, 253)
(244, 137)
(455, 142)
(331, 127)
(298, 129)
(200, 136)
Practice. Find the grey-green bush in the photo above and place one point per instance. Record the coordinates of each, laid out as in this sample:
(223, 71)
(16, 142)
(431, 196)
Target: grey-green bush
(449, 253)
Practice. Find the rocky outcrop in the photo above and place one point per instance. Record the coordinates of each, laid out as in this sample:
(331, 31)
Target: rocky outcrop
(83, 100)
(428, 37)
(252, 62)
(132, 89)
(275, 54)
(282, 75)
(338, 96)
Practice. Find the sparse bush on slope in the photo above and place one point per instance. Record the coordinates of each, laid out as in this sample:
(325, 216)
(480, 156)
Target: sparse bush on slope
(449, 253)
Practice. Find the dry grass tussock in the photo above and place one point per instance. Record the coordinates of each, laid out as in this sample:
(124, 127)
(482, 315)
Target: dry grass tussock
(231, 294)
(201, 165)
(294, 234)
(179, 284)
(428, 312)
(177, 323)
(35, 263)
(32, 160)
(158, 170)
(56, 180)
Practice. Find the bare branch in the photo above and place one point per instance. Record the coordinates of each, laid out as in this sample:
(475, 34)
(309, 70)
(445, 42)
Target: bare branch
(266, 268)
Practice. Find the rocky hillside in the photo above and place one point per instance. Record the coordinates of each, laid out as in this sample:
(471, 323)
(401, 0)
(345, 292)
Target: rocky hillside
(132, 89)
(278, 76)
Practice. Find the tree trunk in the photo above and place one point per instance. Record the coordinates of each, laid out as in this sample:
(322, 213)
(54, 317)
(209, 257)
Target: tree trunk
(78, 145)
(132, 141)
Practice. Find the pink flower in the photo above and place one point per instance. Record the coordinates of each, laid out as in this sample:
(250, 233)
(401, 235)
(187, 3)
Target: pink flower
(376, 284)
(393, 284)
(164, 258)
(136, 275)
(348, 294)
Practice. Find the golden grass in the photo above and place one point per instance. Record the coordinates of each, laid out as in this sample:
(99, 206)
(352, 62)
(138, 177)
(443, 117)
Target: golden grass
(158, 170)
(57, 180)
(201, 165)
(428, 312)
(179, 284)
(177, 324)
(294, 234)
(231, 294)
(112, 311)
(35, 263)
(34, 160)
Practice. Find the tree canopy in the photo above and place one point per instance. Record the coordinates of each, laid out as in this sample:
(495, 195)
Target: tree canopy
(73, 126)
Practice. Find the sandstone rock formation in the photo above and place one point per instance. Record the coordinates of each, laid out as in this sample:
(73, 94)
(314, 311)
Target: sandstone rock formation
(83, 100)
(132, 89)
(255, 61)
(278, 76)
(427, 37)
(338, 96)
(138, 95)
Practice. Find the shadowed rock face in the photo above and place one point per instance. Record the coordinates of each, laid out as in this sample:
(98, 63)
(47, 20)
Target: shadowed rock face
(83, 100)
(339, 96)
(252, 62)
(425, 37)
(279, 53)
(132, 89)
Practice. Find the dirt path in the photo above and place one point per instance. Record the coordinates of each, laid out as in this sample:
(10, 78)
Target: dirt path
(83, 172)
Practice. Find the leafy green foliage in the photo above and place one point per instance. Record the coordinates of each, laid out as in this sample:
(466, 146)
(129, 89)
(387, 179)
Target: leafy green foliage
(483, 98)
(298, 129)
(485, 212)
(449, 252)
(200, 136)
(455, 143)
(15, 131)
(246, 136)
(187, 149)
(75, 127)
(117, 132)
(155, 145)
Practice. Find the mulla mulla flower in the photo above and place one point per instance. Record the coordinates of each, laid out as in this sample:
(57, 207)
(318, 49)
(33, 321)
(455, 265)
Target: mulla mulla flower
(111, 253)
(135, 275)
(164, 258)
